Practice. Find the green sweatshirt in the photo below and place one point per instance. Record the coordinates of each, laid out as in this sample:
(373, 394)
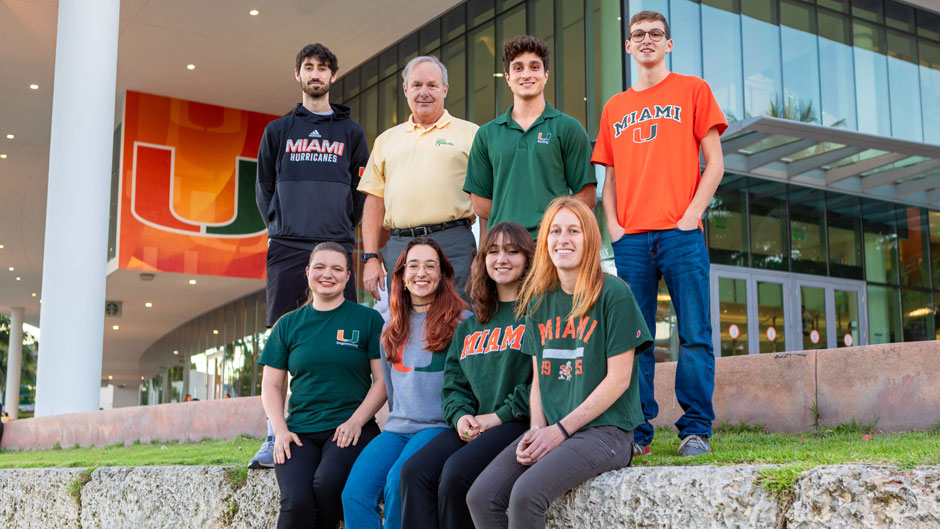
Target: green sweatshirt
(485, 372)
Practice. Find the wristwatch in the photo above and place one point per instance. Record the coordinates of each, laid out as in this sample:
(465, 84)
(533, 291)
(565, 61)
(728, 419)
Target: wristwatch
(366, 256)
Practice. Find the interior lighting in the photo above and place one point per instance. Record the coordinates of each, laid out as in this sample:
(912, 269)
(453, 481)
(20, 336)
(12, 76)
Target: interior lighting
(497, 75)
(10, 136)
(1, 246)
(18, 278)
(176, 352)
(110, 377)
(34, 294)
(254, 12)
(34, 87)
(11, 269)
(215, 331)
(192, 281)
(3, 156)
(115, 327)
(141, 377)
(190, 66)
(148, 304)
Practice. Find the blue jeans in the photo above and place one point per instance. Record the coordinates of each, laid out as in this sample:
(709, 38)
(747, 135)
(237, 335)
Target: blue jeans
(375, 476)
(682, 259)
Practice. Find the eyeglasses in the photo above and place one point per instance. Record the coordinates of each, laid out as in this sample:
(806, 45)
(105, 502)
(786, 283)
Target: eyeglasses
(655, 34)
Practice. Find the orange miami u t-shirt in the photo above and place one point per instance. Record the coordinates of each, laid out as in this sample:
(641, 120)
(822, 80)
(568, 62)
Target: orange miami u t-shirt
(652, 139)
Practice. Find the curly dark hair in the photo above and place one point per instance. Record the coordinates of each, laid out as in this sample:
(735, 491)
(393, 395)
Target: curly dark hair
(520, 44)
(320, 53)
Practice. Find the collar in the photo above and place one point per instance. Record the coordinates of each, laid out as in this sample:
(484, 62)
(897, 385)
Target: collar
(441, 122)
(548, 113)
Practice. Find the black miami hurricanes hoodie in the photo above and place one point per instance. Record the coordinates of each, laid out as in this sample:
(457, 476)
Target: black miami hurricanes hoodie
(309, 166)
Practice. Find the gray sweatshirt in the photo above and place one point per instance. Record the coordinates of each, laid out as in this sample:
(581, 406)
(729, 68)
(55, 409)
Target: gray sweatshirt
(414, 385)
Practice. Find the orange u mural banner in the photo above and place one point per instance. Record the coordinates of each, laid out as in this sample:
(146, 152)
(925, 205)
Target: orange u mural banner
(187, 199)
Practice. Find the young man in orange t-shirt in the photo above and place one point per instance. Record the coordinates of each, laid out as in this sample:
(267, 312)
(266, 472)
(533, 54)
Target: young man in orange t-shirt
(654, 196)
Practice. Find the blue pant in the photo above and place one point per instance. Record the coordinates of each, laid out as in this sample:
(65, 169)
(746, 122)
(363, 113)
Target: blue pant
(682, 259)
(375, 476)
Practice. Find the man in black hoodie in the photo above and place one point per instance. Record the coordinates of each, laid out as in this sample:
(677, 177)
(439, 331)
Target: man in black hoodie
(309, 165)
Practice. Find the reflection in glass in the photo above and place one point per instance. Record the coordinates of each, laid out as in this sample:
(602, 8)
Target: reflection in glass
(761, 53)
(847, 322)
(508, 25)
(770, 317)
(482, 57)
(727, 222)
(929, 58)
(881, 244)
(917, 315)
(871, 79)
(904, 87)
(768, 212)
(808, 230)
(370, 114)
(388, 102)
(844, 217)
(800, 62)
(913, 246)
(454, 57)
(429, 37)
(732, 306)
(836, 59)
(667, 334)
(573, 96)
(933, 231)
(686, 27)
(813, 314)
(884, 315)
(542, 25)
(605, 60)
(723, 70)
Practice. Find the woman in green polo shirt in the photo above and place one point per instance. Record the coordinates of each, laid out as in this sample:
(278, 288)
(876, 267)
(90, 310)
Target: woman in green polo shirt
(330, 346)
(486, 388)
(584, 328)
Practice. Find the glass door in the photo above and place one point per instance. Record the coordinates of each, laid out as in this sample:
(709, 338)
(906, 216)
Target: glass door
(813, 318)
(771, 316)
(831, 313)
(847, 322)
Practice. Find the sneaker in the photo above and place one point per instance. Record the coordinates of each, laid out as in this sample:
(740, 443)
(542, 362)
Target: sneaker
(693, 445)
(265, 456)
(641, 450)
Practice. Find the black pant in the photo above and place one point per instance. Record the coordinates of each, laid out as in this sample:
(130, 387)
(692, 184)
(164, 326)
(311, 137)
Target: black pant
(435, 481)
(312, 480)
(286, 284)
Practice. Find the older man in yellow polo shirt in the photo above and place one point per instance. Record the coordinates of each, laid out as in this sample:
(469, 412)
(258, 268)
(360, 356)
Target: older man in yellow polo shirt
(414, 180)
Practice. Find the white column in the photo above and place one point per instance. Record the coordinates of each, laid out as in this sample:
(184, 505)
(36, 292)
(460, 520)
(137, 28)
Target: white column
(73, 272)
(14, 362)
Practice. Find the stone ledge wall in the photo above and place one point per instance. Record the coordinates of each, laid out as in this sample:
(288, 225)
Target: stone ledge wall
(833, 497)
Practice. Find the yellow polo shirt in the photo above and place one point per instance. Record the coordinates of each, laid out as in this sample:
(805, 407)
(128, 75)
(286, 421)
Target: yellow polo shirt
(420, 172)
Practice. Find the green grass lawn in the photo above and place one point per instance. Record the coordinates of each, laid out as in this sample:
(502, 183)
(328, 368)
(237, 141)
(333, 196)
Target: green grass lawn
(730, 445)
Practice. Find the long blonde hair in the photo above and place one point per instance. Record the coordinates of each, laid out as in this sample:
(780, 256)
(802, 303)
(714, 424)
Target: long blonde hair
(543, 276)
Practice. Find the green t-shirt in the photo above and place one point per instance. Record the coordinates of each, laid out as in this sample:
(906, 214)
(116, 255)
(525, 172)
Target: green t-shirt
(327, 353)
(484, 372)
(523, 170)
(572, 354)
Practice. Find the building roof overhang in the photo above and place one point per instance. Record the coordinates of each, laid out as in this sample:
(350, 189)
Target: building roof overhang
(835, 159)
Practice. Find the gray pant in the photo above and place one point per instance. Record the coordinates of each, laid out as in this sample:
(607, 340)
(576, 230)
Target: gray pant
(458, 244)
(528, 491)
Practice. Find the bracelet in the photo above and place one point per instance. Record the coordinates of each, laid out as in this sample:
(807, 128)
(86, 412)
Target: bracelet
(563, 431)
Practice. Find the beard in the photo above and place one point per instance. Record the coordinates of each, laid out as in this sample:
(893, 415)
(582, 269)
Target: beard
(317, 91)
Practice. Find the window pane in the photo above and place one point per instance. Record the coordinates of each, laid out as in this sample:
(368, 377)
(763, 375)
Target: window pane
(370, 73)
(667, 334)
(870, 10)
(912, 246)
(770, 317)
(768, 212)
(936, 315)
(571, 67)
(871, 79)
(836, 59)
(800, 62)
(727, 222)
(508, 25)
(762, 76)
(541, 15)
(904, 86)
(934, 231)
(388, 102)
(808, 230)
(605, 75)
(899, 16)
(841, 6)
(723, 70)
(452, 23)
(407, 50)
(479, 11)
(369, 118)
(482, 67)
(928, 24)
(685, 26)
(454, 57)
(929, 58)
(388, 62)
(351, 84)
(917, 315)
(844, 217)
(732, 306)
(430, 36)
(847, 322)
(813, 312)
(881, 245)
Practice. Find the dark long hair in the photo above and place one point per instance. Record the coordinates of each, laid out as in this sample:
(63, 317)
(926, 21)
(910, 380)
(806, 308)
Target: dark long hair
(443, 316)
(481, 287)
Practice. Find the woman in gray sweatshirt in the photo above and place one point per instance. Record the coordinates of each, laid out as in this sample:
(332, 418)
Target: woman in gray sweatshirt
(424, 312)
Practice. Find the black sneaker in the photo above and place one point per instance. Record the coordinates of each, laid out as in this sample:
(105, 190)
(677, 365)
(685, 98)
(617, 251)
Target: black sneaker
(694, 445)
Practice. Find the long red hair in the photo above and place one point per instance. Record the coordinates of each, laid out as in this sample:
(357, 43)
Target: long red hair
(443, 315)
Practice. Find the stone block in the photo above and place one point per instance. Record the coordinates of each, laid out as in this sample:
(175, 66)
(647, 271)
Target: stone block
(38, 498)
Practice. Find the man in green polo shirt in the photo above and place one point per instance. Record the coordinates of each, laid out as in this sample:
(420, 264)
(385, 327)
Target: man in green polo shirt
(533, 153)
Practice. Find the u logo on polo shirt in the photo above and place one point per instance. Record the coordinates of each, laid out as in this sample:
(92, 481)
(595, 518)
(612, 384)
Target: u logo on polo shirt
(544, 137)
(342, 340)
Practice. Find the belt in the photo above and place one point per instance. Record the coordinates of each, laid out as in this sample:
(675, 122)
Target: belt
(423, 231)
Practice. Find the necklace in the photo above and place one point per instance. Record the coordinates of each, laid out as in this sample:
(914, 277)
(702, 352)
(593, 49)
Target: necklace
(421, 304)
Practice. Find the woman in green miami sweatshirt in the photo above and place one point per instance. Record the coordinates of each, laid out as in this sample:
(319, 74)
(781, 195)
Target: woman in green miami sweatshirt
(486, 388)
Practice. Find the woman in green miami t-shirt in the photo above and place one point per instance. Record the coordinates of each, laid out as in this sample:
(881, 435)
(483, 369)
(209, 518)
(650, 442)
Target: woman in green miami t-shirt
(330, 346)
(583, 328)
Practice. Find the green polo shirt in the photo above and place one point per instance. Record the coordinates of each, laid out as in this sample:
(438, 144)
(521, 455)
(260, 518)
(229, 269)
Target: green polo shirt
(521, 171)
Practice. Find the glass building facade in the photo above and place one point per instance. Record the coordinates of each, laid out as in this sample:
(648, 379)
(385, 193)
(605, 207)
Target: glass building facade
(794, 267)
